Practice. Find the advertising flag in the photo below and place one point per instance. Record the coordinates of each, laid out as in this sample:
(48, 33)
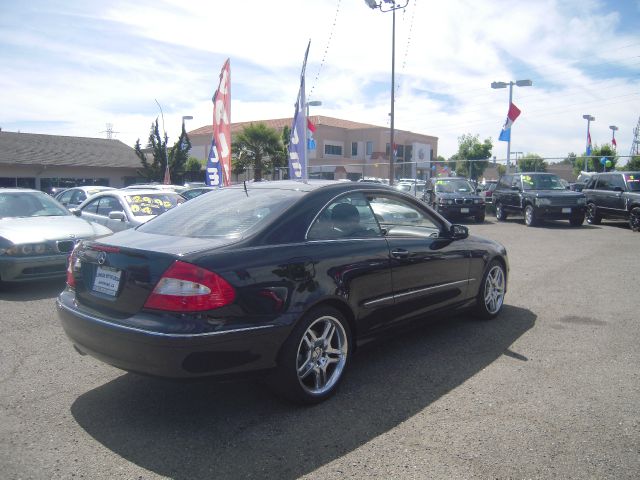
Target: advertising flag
(222, 122)
(505, 134)
(614, 143)
(213, 175)
(588, 143)
(298, 139)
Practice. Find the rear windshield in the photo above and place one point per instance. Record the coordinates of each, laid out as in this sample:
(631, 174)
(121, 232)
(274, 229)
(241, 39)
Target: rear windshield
(633, 181)
(230, 213)
(152, 203)
(30, 204)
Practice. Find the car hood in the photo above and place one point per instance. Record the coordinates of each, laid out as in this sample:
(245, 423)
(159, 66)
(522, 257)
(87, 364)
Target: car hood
(42, 229)
(457, 195)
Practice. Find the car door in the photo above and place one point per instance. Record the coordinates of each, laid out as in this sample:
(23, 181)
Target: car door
(109, 204)
(428, 271)
(614, 199)
(603, 190)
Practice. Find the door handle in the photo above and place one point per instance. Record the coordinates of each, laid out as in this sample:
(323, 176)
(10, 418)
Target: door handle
(400, 253)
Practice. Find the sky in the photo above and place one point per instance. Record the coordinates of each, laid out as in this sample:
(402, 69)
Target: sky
(71, 67)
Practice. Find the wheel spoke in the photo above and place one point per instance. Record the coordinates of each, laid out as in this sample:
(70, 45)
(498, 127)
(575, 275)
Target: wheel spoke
(305, 369)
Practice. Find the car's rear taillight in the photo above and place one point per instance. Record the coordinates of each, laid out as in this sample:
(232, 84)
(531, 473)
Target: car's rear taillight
(187, 288)
(71, 267)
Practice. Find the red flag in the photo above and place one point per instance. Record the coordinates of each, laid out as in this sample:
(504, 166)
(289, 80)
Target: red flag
(613, 142)
(310, 125)
(222, 122)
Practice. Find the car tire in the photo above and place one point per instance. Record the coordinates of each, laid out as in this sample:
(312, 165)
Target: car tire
(479, 218)
(530, 219)
(634, 219)
(576, 220)
(501, 215)
(313, 359)
(593, 218)
(492, 290)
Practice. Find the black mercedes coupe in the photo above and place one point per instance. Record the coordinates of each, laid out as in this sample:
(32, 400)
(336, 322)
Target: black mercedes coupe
(278, 278)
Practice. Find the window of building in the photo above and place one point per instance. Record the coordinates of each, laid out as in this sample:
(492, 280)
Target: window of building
(354, 149)
(332, 149)
(369, 148)
(20, 182)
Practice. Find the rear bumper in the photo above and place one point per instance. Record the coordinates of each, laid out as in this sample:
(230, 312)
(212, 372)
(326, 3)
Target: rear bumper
(225, 353)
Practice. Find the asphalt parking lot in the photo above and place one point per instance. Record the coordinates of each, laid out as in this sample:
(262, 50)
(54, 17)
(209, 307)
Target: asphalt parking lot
(550, 389)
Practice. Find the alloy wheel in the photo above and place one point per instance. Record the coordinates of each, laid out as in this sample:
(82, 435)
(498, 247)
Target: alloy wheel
(322, 355)
(494, 288)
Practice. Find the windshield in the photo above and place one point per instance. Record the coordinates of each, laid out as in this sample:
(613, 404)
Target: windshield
(29, 204)
(453, 186)
(231, 213)
(542, 182)
(633, 181)
(152, 203)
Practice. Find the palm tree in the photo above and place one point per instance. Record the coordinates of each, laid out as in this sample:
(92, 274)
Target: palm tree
(256, 146)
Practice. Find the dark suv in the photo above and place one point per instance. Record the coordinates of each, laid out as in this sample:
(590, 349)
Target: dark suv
(614, 195)
(537, 196)
(454, 197)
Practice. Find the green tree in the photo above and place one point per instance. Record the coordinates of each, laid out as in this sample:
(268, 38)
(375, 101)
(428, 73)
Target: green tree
(193, 165)
(154, 171)
(532, 162)
(255, 146)
(502, 169)
(593, 161)
(633, 164)
(471, 159)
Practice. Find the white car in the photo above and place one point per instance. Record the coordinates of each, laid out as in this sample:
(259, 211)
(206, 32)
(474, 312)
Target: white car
(127, 208)
(72, 197)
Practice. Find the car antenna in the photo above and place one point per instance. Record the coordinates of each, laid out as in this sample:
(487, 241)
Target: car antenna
(244, 182)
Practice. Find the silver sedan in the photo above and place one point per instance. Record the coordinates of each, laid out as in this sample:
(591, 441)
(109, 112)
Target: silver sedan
(37, 234)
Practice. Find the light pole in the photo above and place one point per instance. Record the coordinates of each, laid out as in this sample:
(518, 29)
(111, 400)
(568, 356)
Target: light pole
(519, 83)
(390, 6)
(589, 119)
(613, 136)
(515, 154)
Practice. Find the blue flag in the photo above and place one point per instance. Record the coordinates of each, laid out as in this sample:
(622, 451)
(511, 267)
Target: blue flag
(213, 176)
(505, 135)
(297, 141)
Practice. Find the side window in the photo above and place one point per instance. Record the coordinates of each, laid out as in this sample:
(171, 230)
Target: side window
(516, 181)
(65, 197)
(346, 217)
(108, 204)
(505, 182)
(617, 181)
(91, 207)
(603, 182)
(401, 218)
(78, 197)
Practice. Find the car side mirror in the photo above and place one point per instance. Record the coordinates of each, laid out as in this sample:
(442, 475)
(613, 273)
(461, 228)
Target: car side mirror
(75, 211)
(115, 215)
(458, 232)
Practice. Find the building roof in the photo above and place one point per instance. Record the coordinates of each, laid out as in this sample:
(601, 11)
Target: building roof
(38, 149)
(280, 123)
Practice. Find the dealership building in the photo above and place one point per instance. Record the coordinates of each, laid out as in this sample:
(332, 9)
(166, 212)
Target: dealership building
(342, 149)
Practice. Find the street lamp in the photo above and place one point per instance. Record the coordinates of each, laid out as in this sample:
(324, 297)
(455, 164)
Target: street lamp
(589, 119)
(518, 83)
(390, 6)
(613, 136)
(313, 103)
